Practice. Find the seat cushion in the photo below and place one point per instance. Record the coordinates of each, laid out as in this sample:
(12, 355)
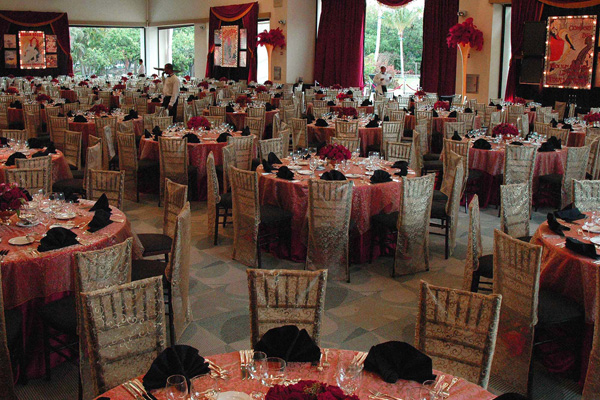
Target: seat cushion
(270, 215)
(226, 201)
(155, 243)
(14, 323)
(551, 179)
(438, 209)
(486, 266)
(78, 174)
(143, 269)
(431, 157)
(68, 185)
(389, 221)
(433, 165)
(555, 308)
(438, 195)
(61, 315)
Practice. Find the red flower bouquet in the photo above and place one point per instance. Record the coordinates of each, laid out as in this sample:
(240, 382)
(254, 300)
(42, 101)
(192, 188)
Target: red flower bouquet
(198, 122)
(223, 79)
(268, 82)
(348, 111)
(187, 78)
(11, 76)
(274, 38)
(94, 76)
(12, 90)
(444, 105)
(119, 86)
(203, 85)
(99, 108)
(154, 76)
(201, 95)
(465, 34)
(335, 152)
(242, 100)
(43, 97)
(336, 86)
(124, 79)
(420, 93)
(519, 100)
(307, 390)
(589, 118)
(505, 130)
(129, 73)
(342, 96)
(156, 81)
(261, 89)
(29, 77)
(83, 83)
(11, 197)
(54, 80)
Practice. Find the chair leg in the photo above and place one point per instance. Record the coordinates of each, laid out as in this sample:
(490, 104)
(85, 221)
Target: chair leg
(446, 237)
(171, 317)
(258, 255)
(47, 353)
(475, 282)
(225, 217)
(216, 227)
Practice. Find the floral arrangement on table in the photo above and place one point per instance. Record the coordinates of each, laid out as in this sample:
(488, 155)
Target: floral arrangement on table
(342, 96)
(273, 37)
(335, 152)
(12, 90)
(29, 78)
(261, 89)
(348, 112)
(465, 34)
(444, 105)
(268, 82)
(223, 79)
(242, 100)
(12, 197)
(307, 390)
(198, 122)
(43, 97)
(11, 76)
(124, 79)
(119, 86)
(99, 108)
(70, 75)
(94, 76)
(54, 80)
(336, 86)
(200, 95)
(592, 117)
(203, 85)
(83, 83)
(156, 81)
(187, 78)
(420, 93)
(505, 129)
(519, 100)
(154, 75)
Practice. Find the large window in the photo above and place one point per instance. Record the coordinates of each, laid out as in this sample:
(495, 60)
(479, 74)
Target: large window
(262, 59)
(394, 38)
(176, 46)
(103, 51)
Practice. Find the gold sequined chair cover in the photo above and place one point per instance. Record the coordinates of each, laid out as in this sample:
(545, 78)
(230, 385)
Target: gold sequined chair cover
(398, 151)
(397, 116)
(215, 120)
(593, 165)
(286, 297)
(391, 131)
(15, 134)
(451, 160)
(457, 329)
(474, 246)
(124, 330)
(246, 215)
(591, 388)
(128, 162)
(6, 376)
(57, 127)
(451, 127)
(519, 162)
(100, 123)
(420, 147)
(453, 205)
(244, 150)
(3, 115)
(38, 162)
(560, 134)
(173, 157)
(33, 123)
(125, 127)
(212, 196)
(350, 144)
(284, 134)
(586, 195)
(256, 125)
(329, 206)
(514, 210)
(412, 243)
(215, 110)
(72, 151)
(162, 122)
(577, 158)
(516, 278)
(256, 111)
(462, 149)
(467, 118)
(298, 128)
(346, 129)
(31, 179)
(271, 146)
(111, 183)
(175, 199)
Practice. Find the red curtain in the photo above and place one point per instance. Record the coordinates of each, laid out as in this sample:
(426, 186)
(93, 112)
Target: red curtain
(521, 11)
(395, 3)
(48, 22)
(438, 70)
(339, 51)
(248, 13)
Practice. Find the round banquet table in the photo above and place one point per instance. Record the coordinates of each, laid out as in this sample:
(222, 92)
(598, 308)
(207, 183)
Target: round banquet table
(30, 280)
(368, 136)
(367, 200)
(338, 108)
(16, 115)
(60, 167)
(238, 119)
(462, 390)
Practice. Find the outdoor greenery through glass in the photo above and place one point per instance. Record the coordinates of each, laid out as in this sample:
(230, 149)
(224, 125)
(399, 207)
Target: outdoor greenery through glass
(183, 50)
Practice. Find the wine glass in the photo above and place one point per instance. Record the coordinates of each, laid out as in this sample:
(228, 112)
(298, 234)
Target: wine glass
(274, 371)
(204, 387)
(257, 365)
(312, 151)
(313, 163)
(348, 378)
(176, 388)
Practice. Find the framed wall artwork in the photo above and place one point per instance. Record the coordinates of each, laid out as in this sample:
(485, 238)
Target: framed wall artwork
(217, 37)
(32, 50)
(229, 46)
(51, 46)
(217, 55)
(10, 59)
(51, 61)
(10, 41)
(472, 83)
(243, 39)
(243, 59)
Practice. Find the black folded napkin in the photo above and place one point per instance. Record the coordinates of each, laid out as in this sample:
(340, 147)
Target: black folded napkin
(267, 167)
(372, 124)
(569, 214)
(100, 220)
(11, 159)
(452, 114)
(155, 100)
(386, 119)
(516, 143)
(482, 144)
(191, 98)
(579, 247)
(321, 122)
(333, 175)
(546, 147)
(349, 92)
(285, 173)
(366, 103)
(128, 118)
(277, 95)
(498, 107)
(133, 113)
(268, 107)
(331, 103)
(533, 109)
(191, 138)
(567, 126)
(70, 113)
(310, 119)
(223, 137)
(555, 226)
(246, 131)
(354, 117)
(403, 171)
(400, 164)
(434, 114)
(557, 143)
(456, 136)
(16, 104)
(101, 204)
(289, 343)
(80, 118)
(183, 89)
(34, 143)
(177, 360)
(57, 238)
(554, 123)
(468, 110)
(3, 141)
(273, 159)
(319, 92)
(381, 176)
(212, 90)
(229, 109)
(157, 131)
(398, 360)
(147, 134)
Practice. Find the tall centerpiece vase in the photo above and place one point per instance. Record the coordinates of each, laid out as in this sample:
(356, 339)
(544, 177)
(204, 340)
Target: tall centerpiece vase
(464, 52)
(270, 48)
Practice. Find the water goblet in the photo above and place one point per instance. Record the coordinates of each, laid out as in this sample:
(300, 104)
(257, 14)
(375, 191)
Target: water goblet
(176, 387)
(203, 387)
(257, 365)
(274, 371)
(313, 163)
(348, 378)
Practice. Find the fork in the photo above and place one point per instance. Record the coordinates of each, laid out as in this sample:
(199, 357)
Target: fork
(243, 369)
(383, 395)
(131, 391)
(136, 383)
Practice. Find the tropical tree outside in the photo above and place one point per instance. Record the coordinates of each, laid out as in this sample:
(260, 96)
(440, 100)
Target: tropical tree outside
(183, 49)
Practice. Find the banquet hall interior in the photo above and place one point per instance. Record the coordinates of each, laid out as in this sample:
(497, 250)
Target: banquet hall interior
(300, 199)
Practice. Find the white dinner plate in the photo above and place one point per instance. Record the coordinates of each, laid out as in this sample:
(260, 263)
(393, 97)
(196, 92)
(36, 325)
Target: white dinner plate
(20, 241)
(295, 167)
(27, 224)
(65, 216)
(302, 162)
(591, 228)
(595, 240)
(305, 172)
(233, 396)
(352, 176)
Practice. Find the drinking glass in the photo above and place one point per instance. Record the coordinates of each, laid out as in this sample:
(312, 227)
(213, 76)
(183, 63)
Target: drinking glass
(274, 371)
(176, 388)
(420, 393)
(355, 155)
(257, 365)
(348, 378)
(204, 387)
(312, 151)
(313, 163)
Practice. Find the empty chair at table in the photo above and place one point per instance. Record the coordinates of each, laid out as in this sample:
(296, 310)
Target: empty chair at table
(397, 116)
(457, 329)
(398, 151)
(215, 120)
(3, 115)
(125, 127)
(133, 167)
(30, 179)
(57, 127)
(256, 112)
(451, 127)
(514, 112)
(328, 214)
(244, 150)
(72, 152)
(319, 112)
(519, 162)
(215, 110)
(141, 105)
(515, 210)
(110, 183)
(162, 122)
(298, 130)
(78, 183)
(33, 124)
(229, 160)
(523, 125)
(560, 134)
(218, 205)
(173, 157)
(391, 131)
(586, 195)
(286, 297)
(256, 125)
(275, 146)
(468, 119)
(541, 128)
(346, 129)
(350, 144)
(477, 265)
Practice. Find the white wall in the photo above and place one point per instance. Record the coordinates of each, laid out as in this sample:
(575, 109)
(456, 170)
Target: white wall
(200, 49)
(301, 27)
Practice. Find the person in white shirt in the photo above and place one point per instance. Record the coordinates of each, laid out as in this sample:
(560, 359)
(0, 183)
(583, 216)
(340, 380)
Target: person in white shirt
(382, 80)
(141, 69)
(170, 90)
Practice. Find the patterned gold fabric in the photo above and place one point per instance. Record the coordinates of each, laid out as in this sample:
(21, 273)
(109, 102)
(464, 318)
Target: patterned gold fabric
(541, 128)
(451, 160)
(6, 376)
(397, 116)
(298, 128)
(467, 118)
(462, 149)
(457, 329)
(516, 278)
(215, 120)
(453, 205)
(474, 247)
(350, 144)
(57, 127)
(519, 164)
(256, 111)
(451, 127)
(175, 199)
(173, 153)
(256, 125)
(346, 129)
(561, 134)
(100, 123)
(420, 147)
(111, 183)
(213, 110)
(15, 134)
(577, 158)
(329, 206)
(162, 122)
(412, 245)
(586, 195)
(591, 389)
(124, 330)
(93, 160)
(398, 151)
(229, 160)
(286, 297)
(72, 151)
(125, 127)
(271, 146)
(246, 216)
(244, 150)
(31, 179)
(514, 210)
(593, 165)
(212, 194)
(523, 125)
(128, 162)
(318, 112)
(44, 163)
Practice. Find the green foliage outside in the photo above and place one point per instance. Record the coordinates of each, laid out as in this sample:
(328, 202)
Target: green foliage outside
(183, 50)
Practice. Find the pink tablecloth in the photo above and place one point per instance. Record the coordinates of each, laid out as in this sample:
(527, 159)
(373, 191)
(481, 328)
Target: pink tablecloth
(463, 390)
(437, 125)
(69, 95)
(368, 136)
(16, 115)
(60, 167)
(360, 109)
(238, 119)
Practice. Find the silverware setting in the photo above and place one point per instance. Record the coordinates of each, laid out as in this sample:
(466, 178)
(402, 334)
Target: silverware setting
(217, 371)
(3, 253)
(359, 358)
(382, 396)
(245, 360)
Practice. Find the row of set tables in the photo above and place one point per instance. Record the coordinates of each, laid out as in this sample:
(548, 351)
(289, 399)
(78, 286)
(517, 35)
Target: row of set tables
(60, 167)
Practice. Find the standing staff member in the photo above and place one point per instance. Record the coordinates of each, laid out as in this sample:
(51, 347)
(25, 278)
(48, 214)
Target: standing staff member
(382, 80)
(170, 91)
(141, 69)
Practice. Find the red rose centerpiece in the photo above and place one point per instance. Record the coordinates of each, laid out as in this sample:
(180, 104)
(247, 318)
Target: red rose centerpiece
(203, 85)
(444, 105)
(261, 89)
(420, 93)
(198, 122)
(307, 390)
(94, 76)
(271, 39)
(223, 79)
(519, 100)
(335, 152)
(12, 197)
(267, 82)
(465, 36)
(342, 96)
(505, 130)
(43, 97)
(12, 90)
(124, 79)
(99, 108)
(336, 86)
(242, 100)
(156, 81)
(54, 80)
(348, 112)
(187, 78)
(83, 83)
(591, 118)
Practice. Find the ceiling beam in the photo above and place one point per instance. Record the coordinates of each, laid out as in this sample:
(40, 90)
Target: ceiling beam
(266, 15)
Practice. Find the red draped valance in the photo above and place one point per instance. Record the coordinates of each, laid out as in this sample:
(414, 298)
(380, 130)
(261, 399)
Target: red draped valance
(394, 3)
(570, 3)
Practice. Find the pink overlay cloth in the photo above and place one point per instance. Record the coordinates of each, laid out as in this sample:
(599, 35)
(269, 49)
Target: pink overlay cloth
(60, 167)
(462, 390)
(360, 109)
(368, 136)
(69, 95)
(238, 119)
(16, 115)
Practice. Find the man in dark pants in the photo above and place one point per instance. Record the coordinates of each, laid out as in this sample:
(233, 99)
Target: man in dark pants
(170, 90)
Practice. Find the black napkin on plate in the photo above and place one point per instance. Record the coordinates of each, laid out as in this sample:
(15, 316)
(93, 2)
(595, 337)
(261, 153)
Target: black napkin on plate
(80, 118)
(101, 204)
(70, 113)
(16, 104)
(331, 103)
(128, 118)
(554, 123)
(157, 131)
(273, 159)
(147, 134)
(35, 143)
(310, 119)
(229, 109)
(321, 122)
(349, 92)
(191, 97)
(386, 118)
(376, 118)
(223, 137)
(212, 90)
(456, 136)
(482, 144)
(569, 214)
(567, 126)
(498, 107)
(183, 89)
(381, 176)
(155, 100)
(10, 161)
(285, 173)
(532, 109)
(452, 114)
(269, 107)
(516, 143)
(372, 124)
(468, 110)
(546, 147)
(557, 143)
(319, 91)
(398, 360)
(290, 343)
(57, 238)
(434, 114)
(191, 138)
(556, 226)
(366, 103)
(267, 167)
(333, 175)
(579, 247)
(100, 220)
(176, 360)
(400, 164)
(246, 131)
